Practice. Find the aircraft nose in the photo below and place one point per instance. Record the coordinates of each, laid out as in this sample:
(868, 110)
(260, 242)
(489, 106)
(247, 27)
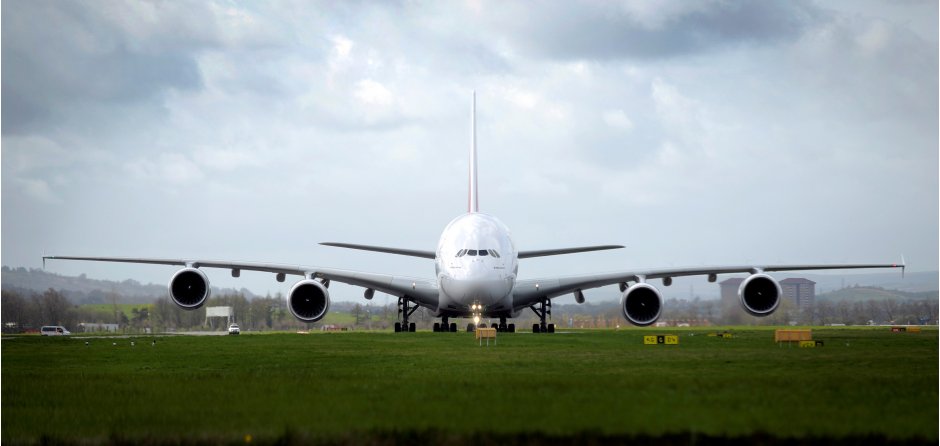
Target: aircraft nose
(467, 291)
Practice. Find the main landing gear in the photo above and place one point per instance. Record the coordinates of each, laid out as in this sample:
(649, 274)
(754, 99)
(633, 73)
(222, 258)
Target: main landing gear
(404, 312)
(501, 327)
(543, 310)
(444, 327)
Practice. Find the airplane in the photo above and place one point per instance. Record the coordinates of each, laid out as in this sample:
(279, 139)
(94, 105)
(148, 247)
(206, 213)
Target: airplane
(476, 275)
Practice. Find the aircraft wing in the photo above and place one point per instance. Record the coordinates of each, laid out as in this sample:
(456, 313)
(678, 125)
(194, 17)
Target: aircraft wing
(432, 255)
(530, 291)
(385, 249)
(555, 252)
(423, 291)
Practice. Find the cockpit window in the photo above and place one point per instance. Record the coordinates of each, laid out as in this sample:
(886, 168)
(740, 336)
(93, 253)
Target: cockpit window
(477, 252)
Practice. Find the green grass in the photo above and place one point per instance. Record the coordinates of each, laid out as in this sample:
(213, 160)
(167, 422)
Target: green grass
(108, 309)
(348, 319)
(373, 385)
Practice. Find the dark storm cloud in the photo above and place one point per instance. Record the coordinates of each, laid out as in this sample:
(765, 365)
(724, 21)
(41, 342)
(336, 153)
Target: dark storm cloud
(61, 59)
(565, 30)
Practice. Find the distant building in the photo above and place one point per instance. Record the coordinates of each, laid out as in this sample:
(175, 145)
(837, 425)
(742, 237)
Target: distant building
(729, 290)
(802, 292)
(731, 311)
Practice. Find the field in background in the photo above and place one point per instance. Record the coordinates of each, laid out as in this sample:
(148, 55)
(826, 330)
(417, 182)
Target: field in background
(107, 310)
(865, 384)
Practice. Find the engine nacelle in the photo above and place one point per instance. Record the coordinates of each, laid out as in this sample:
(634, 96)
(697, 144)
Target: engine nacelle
(579, 296)
(642, 304)
(760, 294)
(189, 288)
(308, 300)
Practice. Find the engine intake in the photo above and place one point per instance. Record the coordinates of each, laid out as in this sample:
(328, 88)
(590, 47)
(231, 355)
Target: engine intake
(759, 294)
(642, 304)
(308, 300)
(189, 288)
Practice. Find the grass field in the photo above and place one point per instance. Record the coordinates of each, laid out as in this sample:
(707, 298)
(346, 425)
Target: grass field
(865, 385)
(108, 309)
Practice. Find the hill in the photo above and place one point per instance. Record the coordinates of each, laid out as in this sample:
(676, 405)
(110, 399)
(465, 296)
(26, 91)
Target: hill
(875, 293)
(82, 290)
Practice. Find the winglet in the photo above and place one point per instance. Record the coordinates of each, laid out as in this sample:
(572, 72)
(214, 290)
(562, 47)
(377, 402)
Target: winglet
(473, 203)
(903, 265)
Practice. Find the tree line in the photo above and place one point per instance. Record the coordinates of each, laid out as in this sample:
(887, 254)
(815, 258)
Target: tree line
(26, 311)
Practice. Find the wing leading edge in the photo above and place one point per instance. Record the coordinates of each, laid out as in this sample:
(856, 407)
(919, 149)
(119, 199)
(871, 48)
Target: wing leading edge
(530, 291)
(431, 254)
(385, 249)
(560, 251)
(422, 290)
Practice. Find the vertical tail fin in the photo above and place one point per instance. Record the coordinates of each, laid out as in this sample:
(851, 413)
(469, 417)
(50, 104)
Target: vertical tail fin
(473, 203)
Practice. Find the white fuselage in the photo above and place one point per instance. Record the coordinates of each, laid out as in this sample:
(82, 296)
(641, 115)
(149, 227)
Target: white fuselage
(476, 264)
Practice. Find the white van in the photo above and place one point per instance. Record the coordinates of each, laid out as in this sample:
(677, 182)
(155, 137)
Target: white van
(54, 330)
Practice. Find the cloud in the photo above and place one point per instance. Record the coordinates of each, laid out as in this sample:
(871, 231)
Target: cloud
(640, 30)
(83, 61)
(373, 93)
(227, 159)
(169, 169)
(341, 47)
(617, 119)
(872, 68)
(36, 189)
(654, 124)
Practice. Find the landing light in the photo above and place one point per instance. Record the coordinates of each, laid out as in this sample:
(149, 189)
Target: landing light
(476, 320)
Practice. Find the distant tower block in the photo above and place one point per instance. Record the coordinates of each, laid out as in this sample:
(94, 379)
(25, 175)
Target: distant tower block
(731, 309)
(801, 292)
(225, 312)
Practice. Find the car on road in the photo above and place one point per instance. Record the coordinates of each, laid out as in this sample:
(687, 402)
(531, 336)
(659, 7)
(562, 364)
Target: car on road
(233, 329)
(54, 330)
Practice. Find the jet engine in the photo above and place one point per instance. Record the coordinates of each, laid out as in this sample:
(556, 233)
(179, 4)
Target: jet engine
(308, 300)
(642, 304)
(759, 294)
(189, 288)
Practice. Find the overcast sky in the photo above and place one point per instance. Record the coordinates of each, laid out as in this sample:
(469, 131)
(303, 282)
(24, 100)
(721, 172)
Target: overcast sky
(713, 132)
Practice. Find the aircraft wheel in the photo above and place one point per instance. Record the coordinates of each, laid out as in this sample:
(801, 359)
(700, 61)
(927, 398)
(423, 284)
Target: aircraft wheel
(470, 328)
(512, 328)
(411, 327)
(437, 327)
(397, 327)
(535, 328)
(502, 328)
(495, 325)
(551, 328)
(453, 327)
